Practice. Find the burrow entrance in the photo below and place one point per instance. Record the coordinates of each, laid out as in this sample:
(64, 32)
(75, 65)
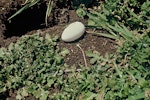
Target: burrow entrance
(32, 19)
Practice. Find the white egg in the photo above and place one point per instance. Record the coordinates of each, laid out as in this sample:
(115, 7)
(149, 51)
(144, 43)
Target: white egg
(73, 32)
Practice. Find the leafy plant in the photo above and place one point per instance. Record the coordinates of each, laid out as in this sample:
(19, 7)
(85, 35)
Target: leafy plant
(119, 18)
(30, 66)
(127, 71)
(137, 53)
(34, 65)
(117, 32)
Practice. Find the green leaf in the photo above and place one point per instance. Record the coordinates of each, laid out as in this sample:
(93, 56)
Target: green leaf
(44, 95)
(137, 97)
(19, 97)
(81, 12)
(50, 82)
(48, 11)
(64, 52)
(89, 96)
(108, 35)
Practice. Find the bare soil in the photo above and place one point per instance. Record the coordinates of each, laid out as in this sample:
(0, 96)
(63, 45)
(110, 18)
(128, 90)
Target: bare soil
(33, 20)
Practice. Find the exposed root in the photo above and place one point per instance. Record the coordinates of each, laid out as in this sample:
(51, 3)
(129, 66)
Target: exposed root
(83, 55)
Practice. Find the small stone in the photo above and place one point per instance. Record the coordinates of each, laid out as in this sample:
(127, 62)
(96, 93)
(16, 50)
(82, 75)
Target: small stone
(73, 32)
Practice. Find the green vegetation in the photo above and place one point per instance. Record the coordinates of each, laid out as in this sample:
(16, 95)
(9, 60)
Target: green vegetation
(118, 17)
(30, 3)
(34, 65)
(126, 74)
(31, 65)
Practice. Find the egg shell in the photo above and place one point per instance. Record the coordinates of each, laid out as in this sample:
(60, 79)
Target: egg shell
(73, 32)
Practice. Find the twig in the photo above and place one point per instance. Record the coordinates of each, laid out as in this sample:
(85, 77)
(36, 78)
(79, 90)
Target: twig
(68, 70)
(25, 2)
(82, 54)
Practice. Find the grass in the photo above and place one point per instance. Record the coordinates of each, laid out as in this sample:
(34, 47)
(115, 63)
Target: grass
(27, 4)
(30, 3)
(48, 12)
(119, 18)
(34, 65)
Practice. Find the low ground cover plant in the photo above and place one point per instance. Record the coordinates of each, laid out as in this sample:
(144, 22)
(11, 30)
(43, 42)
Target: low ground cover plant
(34, 65)
(30, 65)
(121, 18)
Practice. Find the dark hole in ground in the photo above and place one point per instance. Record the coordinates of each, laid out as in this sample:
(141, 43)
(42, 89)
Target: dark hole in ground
(4, 95)
(30, 19)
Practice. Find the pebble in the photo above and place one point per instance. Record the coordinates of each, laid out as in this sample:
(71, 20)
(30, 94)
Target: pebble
(73, 32)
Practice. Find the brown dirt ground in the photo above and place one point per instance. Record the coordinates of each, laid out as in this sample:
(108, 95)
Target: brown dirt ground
(57, 24)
